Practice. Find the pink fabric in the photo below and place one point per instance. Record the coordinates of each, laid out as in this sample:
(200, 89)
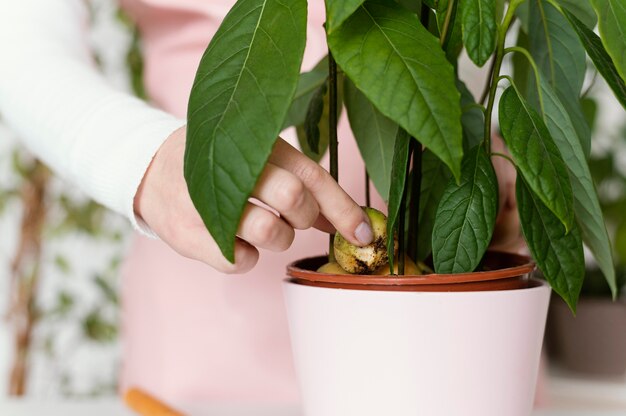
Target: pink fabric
(191, 333)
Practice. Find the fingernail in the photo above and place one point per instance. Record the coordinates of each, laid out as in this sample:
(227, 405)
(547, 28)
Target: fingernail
(363, 233)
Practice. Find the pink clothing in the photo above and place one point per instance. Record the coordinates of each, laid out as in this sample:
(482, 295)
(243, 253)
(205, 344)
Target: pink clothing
(191, 333)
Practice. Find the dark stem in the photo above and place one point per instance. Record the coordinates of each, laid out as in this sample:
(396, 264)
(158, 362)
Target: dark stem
(402, 214)
(332, 129)
(367, 189)
(414, 203)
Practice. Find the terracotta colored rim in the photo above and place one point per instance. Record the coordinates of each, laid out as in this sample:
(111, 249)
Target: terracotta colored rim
(501, 271)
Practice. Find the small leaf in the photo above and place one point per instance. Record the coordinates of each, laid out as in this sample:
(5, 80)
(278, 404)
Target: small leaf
(558, 254)
(313, 118)
(374, 134)
(401, 69)
(479, 29)
(337, 11)
(536, 156)
(308, 83)
(586, 205)
(304, 145)
(612, 26)
(434, 174)
(600, 57)
(466, 216)
(396, 191)
(238, 104)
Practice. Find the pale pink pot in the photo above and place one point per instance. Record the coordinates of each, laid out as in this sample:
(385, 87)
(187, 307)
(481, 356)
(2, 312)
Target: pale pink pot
(361, 352)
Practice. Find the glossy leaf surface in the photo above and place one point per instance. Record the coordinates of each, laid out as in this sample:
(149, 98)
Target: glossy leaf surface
(586, 205)
(402, 70)
(561, 59)
(435, 176)
(239, 100)
(339, 10)
(557, 253)
(600, 58)
(375, 135)
(536, 155)
(466, 216)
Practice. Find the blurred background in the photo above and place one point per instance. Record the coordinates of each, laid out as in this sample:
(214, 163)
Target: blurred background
(60, 255)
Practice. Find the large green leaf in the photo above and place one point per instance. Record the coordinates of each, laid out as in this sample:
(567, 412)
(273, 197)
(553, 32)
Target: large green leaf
(434, 176)
(535, 155)
(479, 29)
(239, 100)
(374, 134)
(561, 58)
(558, 254)
(582, 10)
(308, 83)
(337, 11)
(556, 49)
(612, 26)
(402, 70)
(600, 57)
(466, 216)
(396, 191)
(586, 205)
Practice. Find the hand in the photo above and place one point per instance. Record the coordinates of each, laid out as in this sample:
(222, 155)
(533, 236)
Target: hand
(301, 191)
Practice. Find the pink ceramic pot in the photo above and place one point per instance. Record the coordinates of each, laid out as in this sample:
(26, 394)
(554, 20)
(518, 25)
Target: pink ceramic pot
(397, 353)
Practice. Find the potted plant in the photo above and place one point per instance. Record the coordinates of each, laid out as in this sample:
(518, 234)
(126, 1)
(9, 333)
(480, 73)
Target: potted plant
(592, 342)
(424, 349)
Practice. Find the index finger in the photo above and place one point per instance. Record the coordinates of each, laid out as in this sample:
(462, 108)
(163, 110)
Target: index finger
(335, 204)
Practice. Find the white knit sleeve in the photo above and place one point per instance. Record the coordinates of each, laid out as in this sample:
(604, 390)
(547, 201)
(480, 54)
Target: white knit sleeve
(51, 94)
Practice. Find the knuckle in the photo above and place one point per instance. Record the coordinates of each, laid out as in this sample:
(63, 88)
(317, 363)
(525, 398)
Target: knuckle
(312, 175)
(265, 227)
(290, 194)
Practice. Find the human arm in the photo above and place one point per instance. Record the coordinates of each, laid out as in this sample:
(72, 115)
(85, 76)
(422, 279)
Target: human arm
(104, 141)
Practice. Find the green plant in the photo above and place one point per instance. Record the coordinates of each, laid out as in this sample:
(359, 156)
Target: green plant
(397, 64)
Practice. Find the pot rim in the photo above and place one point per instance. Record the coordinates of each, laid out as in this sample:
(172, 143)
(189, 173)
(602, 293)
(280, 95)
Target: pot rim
(513, 277)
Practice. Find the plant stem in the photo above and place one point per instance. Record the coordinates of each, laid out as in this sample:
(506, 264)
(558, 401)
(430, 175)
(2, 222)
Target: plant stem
(402, 218)
(367, 189)
(483, 96)
(502, 29)
(414, 204)
(448, 25)
(332, 131)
